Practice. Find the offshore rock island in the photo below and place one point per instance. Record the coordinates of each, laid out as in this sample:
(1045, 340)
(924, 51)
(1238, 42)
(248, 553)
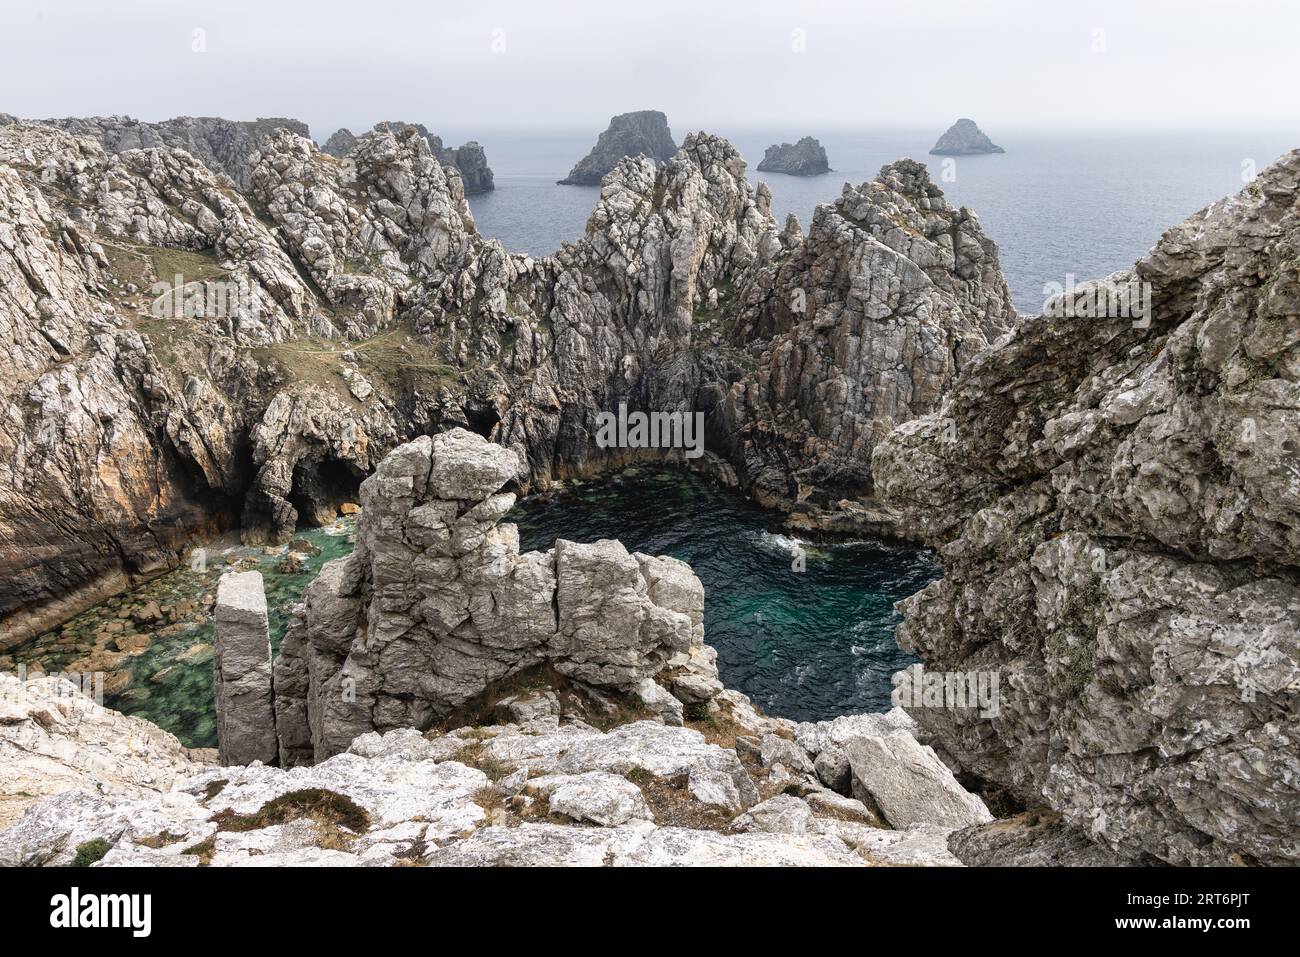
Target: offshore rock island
(1113, 502)
(804, 158)
(964, 138)
(643, 133)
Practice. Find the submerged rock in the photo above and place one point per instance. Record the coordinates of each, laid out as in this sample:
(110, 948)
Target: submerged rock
(964, 138)
(804, 158)
(643, 133)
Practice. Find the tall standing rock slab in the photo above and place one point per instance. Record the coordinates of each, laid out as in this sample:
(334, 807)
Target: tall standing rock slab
(241, 671)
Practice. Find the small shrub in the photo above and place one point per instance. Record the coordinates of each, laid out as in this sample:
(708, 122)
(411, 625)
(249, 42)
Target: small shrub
(91, 851)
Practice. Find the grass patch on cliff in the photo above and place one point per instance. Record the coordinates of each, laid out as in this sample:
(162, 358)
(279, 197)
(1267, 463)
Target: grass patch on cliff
(322, 806)
(396, 357)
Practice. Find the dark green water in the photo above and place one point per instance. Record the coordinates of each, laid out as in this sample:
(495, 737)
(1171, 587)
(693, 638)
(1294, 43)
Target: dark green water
(805, 645)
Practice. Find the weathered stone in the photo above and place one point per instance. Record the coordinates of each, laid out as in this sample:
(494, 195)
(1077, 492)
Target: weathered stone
(964, 138)
(804, 158)
(241, 671)
(644, 133)
(910, 784)
(1111, 492)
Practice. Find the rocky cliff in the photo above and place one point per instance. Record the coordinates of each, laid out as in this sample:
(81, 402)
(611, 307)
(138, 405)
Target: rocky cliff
(804, 158)
(643, 133)
(1115, 496)
(224, 146)
(964, 138)
(334, 310)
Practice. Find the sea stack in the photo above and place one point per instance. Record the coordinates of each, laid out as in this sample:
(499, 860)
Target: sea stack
(643, 133)
(805, 158)
(964, 138)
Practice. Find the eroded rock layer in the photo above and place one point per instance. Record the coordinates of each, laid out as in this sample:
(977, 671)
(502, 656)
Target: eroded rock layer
(1115, 497)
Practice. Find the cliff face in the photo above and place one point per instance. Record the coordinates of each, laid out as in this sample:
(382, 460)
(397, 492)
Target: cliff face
(443, 699)
(643, 133)
(224, 146)
(804, 158)
(364, 309)
(1116, 501)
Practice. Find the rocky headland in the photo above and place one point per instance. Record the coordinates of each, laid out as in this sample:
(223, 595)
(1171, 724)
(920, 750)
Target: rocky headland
(642, 133)
(443, 699)
(369, 310)
(804, 158)
(964, 138)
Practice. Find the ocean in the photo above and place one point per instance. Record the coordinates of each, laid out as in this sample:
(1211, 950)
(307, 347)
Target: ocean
(1056, 204)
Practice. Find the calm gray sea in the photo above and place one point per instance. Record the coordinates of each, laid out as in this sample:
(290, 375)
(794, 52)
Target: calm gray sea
(1056, 204)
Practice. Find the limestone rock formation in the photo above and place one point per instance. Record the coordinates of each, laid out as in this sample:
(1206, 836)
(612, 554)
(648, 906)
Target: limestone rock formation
(371, 311)
(224, 146)
(861, 325)
(241, 671)
(964, 138)
(437, 603)
(521, 660)
(804, 158)
(546, 788)
(642, 133)
(1113, 494)
(469, 160)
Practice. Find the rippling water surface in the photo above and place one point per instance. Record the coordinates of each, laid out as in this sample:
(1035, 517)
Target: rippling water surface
(809, 645)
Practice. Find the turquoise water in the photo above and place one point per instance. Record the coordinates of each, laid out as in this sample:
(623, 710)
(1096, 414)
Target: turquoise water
(805, 645)
(161, 668)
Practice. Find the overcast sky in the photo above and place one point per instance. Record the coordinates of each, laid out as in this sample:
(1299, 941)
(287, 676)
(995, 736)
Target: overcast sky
(570, 64)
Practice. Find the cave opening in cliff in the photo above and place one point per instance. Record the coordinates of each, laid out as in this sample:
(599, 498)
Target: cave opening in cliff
(321, 487)
(481, 419)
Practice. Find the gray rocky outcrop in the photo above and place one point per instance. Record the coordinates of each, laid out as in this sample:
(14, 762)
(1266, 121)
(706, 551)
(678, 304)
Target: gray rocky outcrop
(807, 157)
(54, 738)
(224, 146)
(1113, 494)
(437, 604)
(642, 133)
(469, 160)
(964, 138)
(241, 671)
(371, 311)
